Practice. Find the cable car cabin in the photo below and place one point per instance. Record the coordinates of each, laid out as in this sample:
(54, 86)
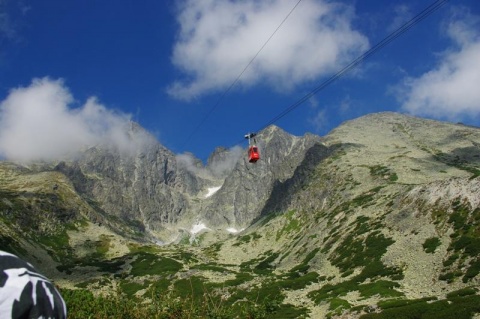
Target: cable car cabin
(253, 154)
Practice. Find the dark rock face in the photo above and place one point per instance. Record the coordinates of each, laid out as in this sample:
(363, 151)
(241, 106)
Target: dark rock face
(248, 187)
(145, 187)
(154, 188)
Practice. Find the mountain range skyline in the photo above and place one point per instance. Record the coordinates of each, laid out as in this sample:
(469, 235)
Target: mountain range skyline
(201, 74)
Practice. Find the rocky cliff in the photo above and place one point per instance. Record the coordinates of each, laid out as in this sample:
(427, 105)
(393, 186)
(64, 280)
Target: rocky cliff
(160, 194)
(247, 189)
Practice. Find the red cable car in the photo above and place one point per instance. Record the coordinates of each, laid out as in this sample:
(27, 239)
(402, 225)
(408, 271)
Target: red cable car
(253, 153)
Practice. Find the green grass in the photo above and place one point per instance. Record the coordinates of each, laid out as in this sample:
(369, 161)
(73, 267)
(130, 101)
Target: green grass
(464, 248)
(193, 287)
(395, 303)
(431, 244)
(246, 239)
(260, 302)
(270, 296)
(240, 278)
(211, 267)
(354, 251)
(266, 265)
(151, 264)
(212, 250)
(292, 225)
(361, 248)
(458, 307)
(467, 291)
(57, 245)
(472, 271)
(263, 265)
(384, 172)
(130, 288)
(337, 306)
(83, 304)
(303, 267)
(299, 282)
(365, 199)
(137, 248)
(107, 265)
(158, 286)
(188, 298)
(185, 257)
(382, 288)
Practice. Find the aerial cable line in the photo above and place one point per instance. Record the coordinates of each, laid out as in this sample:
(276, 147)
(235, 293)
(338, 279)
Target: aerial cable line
(238, 77)
(392, 36)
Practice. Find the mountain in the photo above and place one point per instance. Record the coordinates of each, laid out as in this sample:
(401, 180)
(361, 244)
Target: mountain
(248, 187)
(380, 217)
(159, 193)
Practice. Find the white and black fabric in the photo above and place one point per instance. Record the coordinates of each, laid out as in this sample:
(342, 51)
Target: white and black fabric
(24, 293)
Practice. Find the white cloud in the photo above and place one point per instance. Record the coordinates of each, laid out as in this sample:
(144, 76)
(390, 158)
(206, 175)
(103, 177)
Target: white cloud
(225, 165)
(402, 15)
(345, 105)
(218, 168)
(37, 123)
(218, 39)
(7, 30)
(190, 163)
(450, 90)
(320, 120)
(12, 14)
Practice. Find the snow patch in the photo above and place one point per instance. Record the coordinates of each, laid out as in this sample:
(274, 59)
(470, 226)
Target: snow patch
(198, 228)
(233, 230)
(212, 190)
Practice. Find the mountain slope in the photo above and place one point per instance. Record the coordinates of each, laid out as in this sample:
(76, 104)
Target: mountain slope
(392, 212)
(380, 215)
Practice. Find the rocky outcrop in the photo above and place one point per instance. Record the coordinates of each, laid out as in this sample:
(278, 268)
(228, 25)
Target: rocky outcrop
(153, 189)
(248, 187)
(146, 189)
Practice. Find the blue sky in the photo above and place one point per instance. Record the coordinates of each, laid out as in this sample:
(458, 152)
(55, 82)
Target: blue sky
(72, 72)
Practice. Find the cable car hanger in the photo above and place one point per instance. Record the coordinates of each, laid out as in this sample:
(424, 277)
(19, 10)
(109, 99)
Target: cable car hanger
(253, 152)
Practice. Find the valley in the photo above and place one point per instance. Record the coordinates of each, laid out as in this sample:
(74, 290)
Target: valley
(378, 219)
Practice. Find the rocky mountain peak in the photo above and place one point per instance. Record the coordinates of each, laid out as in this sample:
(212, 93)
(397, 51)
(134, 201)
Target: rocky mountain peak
(248, 188)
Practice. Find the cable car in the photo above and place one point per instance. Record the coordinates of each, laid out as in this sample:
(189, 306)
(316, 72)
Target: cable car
(253, 152)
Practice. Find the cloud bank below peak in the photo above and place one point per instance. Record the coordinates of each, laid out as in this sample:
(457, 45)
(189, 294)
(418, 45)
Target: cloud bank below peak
(218, 39)
(38, 122)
